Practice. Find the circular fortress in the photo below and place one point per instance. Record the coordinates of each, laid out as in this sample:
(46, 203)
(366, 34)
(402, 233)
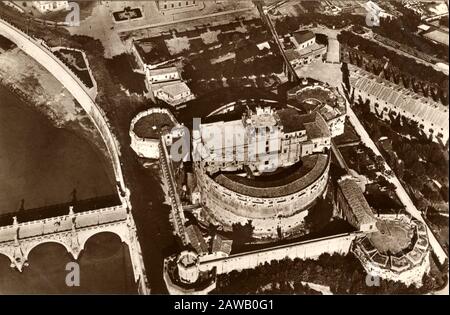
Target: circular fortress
(260, 161)
(146, 130)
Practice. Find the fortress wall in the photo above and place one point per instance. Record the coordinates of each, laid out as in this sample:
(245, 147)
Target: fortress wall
(287, 212)
(339, 244)
(43, 55)
(148, 148)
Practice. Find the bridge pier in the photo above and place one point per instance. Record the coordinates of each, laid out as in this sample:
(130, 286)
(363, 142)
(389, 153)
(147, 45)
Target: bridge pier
(73, 231)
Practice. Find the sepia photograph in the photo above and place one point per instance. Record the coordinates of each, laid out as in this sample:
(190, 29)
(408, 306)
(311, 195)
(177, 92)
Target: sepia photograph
(223, 153)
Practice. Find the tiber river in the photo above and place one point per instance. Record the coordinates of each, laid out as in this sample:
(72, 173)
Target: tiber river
(43, 164)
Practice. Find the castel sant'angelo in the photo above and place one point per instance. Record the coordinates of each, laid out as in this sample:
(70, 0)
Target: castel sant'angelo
(264, 163)
(257, 160)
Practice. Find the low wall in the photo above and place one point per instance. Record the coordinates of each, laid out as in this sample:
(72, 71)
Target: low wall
(312, 249)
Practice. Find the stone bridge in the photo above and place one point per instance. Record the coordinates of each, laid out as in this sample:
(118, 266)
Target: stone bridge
(72, 231)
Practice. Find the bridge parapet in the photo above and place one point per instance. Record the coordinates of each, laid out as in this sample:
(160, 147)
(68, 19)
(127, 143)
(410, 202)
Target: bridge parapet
(72, 231)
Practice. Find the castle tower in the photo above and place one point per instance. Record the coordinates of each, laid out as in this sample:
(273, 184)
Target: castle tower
(187, 264)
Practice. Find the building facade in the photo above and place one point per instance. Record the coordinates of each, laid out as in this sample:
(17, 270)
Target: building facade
(262, 140)
(50, 6)
(166, 84)
(301, 48)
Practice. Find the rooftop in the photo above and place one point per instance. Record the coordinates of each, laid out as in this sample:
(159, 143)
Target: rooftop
(196, 239)
(438, 36)
(311, 168)
(292, 120)
(175, 88)
(221, 244)
(356, 200)
(303, 36)
(161, 71)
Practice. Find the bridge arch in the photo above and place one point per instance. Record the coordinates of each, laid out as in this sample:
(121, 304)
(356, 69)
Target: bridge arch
(33, 245)
(121, 230)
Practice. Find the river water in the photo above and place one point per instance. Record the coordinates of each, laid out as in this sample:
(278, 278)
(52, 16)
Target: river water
(43, 165)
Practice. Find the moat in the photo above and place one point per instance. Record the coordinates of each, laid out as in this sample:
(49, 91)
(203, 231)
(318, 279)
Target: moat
(44, 166)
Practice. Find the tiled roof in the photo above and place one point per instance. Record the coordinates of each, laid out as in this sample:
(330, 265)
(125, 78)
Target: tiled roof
(303, 36)
(175, 88)
(402, 99)
(221, 244)
(312, 168)
(160, 71)
(356, 200)
(196, 239)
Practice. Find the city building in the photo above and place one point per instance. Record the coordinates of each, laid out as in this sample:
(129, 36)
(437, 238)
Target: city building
(174, 93)
(160, 75)
(400, 251)
(147, 128)
(371, 6)
(196, 239)
(166, 84)
(266, 166)
(263, 139)
(301, 48)
(174, 6)
(50, 6)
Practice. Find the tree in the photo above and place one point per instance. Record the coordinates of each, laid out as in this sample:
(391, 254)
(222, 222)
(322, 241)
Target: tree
(243, 233)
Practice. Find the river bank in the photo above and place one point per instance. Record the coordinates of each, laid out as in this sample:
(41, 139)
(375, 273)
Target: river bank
(49, 148)
(36, 87)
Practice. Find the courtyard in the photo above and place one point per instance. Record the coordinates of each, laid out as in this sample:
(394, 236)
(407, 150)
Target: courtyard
(392, 236)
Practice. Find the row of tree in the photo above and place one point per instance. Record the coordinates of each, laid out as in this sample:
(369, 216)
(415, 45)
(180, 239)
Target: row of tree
(400, 69)
(343, 274)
